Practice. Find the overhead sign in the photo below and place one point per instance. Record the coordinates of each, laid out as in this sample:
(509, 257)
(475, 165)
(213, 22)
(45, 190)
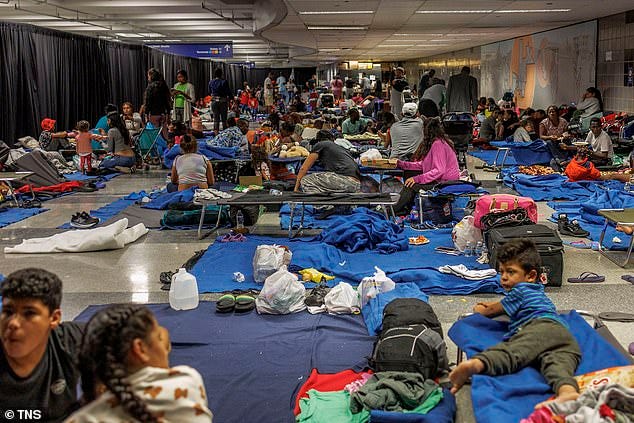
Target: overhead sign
(199, 51)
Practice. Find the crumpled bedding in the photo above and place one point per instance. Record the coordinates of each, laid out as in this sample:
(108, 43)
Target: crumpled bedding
(111, 237)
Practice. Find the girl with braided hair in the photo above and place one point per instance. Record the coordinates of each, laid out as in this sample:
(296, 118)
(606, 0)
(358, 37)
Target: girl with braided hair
(125, 372)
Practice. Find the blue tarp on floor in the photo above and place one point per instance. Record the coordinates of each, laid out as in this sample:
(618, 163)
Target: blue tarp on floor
(10, 215)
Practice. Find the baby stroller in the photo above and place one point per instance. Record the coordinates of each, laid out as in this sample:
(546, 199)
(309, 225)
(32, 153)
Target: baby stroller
(459, 128)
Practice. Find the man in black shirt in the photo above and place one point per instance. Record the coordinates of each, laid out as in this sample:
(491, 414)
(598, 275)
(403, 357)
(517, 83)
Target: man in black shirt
(38, 353)
(341, 173)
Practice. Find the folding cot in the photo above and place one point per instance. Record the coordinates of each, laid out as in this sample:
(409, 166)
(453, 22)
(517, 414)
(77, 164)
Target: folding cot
(620, 217)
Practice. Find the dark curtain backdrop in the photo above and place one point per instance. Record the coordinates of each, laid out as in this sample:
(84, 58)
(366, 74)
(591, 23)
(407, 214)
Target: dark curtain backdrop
(67, 77)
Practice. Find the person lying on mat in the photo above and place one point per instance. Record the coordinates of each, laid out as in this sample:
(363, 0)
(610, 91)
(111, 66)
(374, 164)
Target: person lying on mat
(355, 124)
(120, 153)
(434, 161)
(600, 142)
(125, 372)
(38, 352)
(341, 172)
(190, 169)
(537, 335)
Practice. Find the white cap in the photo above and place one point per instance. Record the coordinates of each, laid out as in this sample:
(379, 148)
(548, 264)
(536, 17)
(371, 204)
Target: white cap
(409, 109)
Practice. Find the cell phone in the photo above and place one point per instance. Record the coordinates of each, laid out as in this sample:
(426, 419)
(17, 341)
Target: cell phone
(446, 249)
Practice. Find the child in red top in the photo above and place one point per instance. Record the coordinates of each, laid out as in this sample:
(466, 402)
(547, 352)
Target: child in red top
(83, 140)
(253, 105)
(244, 101)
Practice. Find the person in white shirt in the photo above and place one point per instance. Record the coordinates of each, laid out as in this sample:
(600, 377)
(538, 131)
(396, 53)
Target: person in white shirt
(125, 373)
(437, 93)
(599, 140)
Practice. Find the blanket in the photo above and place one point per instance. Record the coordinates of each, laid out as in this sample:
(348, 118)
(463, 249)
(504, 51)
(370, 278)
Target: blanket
(309, 217)
(488, 156)
(253, 365)
(110, 237)
(215, 268)
(554, 187)
(163, 200)
(526, 153)
(10, 215)
(78, 176)
(586, 213)
(512, 397)
(211, 152)
(364, 230)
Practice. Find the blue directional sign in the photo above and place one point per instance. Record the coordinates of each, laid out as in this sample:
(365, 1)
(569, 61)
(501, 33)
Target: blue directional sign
(223, 50)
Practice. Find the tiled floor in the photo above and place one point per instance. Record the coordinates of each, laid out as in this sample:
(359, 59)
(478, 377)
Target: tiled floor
(132, 274)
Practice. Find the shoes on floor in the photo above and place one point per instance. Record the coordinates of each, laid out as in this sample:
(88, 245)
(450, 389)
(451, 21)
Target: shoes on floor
(570, 228)
(83, 221)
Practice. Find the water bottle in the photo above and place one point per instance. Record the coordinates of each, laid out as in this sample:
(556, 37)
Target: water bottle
(183, 291)
(484, 255)
(478, 249)
(468, 249)
(239, 220)
(413, 216)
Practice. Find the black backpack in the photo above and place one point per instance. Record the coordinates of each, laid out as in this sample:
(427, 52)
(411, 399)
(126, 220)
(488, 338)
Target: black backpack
(411, 340)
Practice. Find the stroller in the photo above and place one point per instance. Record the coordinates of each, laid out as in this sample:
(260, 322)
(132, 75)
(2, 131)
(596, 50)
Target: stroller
(459, 128)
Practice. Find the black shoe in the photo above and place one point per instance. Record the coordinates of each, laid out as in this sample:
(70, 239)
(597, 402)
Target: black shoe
(316, 296)
(570, 228)
(83, 221)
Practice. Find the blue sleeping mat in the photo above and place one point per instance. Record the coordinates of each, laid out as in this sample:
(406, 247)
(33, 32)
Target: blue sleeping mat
(512, 397)
(215, 268)
(526, 153)
(488, 156)
(253, 365)
(10, 215)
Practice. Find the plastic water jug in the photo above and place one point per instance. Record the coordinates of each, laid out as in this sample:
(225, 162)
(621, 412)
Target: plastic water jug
(183, 291)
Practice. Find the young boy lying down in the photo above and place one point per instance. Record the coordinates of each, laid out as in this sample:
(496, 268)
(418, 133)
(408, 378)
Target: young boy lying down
(537, 336)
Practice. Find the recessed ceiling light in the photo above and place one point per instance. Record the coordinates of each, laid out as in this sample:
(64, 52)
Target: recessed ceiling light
(126, 35)
(338, 12)
(533, 11)
(440, 12)
(329, 49)
(337, 28)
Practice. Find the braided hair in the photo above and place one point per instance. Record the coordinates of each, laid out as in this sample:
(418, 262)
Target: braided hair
(105, 347)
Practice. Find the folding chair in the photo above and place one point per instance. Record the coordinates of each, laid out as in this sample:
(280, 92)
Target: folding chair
(147, 140)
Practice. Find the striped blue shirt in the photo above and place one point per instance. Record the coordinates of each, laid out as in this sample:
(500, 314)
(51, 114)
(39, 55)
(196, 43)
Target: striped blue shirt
(526, 302)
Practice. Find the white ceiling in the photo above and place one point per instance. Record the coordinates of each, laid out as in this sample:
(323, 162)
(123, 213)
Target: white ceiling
(392, 30)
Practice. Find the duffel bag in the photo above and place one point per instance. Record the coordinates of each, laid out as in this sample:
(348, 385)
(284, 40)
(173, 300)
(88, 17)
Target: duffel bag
(500, 203)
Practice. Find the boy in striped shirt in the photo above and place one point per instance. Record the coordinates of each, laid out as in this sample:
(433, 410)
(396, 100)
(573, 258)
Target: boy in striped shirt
(537, 335)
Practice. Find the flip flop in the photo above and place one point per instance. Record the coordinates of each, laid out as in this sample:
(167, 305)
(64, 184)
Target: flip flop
(628, 278)
(579, 244)
(587, 277)
(244, 303)
(613, 316)
(226, 304)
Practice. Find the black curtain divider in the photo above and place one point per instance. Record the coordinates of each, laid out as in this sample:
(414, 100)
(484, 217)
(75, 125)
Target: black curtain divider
(68, 77)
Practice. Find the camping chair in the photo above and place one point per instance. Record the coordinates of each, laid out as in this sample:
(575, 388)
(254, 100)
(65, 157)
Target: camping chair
(146, 142)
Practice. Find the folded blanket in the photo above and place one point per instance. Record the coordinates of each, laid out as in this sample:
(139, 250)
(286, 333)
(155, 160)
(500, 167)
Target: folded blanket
(364, 230)
(111, 237)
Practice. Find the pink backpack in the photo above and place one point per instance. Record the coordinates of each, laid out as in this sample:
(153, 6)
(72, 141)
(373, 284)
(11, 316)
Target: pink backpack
(503, 202)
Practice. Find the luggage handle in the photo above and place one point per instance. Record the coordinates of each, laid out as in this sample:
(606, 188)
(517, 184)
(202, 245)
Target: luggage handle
(516, 204)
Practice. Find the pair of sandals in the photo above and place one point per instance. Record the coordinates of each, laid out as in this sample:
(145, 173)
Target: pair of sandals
(238, 300)
(233, 237)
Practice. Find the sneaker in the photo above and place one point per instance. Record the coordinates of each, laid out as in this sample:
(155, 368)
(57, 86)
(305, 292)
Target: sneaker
(83, 221)
(570, 228)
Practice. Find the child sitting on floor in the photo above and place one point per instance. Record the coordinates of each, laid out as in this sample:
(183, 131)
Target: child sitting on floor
(581, 168)
(83, 145)
(537, 335)
(38, 351)
(125, 373)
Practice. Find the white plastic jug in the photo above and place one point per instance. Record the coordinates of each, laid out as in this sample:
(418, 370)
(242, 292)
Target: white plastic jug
(183, 291)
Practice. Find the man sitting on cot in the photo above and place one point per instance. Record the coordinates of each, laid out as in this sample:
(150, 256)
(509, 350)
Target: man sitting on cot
(537, 336)
(38, 353)
(341, 173)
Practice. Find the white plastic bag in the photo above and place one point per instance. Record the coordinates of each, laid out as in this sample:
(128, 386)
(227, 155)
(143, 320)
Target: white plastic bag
(282, 293)
(464, 232)
(342, 299)
(371, 154)
(371, 286)
(268, 259)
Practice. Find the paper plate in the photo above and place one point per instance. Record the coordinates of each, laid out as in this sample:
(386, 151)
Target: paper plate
(580, 144)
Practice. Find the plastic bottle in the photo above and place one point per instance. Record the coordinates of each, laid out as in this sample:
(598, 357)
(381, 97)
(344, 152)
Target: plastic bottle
(468, 249)
(413, 216)
(478, 249)
(239, 220)
(183, 291)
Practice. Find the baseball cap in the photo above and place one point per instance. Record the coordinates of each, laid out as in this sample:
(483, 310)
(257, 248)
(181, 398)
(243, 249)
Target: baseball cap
(48, 124)
(410, 109)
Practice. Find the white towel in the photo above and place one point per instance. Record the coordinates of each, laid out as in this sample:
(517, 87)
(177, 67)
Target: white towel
(111, 237)
(463, 271)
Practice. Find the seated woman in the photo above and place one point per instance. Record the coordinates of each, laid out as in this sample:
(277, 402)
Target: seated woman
(132, 120)
(591, 103)
(125, 373)
(120, 153)
(435, 158)
(288, 136)
(522, 133)
(388, 119)
(190, 169)
(553, 127)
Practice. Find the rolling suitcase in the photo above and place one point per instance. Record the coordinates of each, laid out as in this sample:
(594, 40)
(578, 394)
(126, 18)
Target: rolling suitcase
(548, 243)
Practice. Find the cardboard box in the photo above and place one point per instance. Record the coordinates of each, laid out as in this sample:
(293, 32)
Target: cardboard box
(380, 163)
(250, 180)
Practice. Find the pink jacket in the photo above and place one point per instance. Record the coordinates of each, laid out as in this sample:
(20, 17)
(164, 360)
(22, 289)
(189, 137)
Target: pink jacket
(439, 165)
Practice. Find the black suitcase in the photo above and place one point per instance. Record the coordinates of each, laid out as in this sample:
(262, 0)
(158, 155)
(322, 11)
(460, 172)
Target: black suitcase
(548, 244)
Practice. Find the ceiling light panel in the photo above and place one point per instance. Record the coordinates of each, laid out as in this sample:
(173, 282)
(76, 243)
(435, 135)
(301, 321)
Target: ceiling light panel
(337, 28)
(337, 12)
(454, 12)
(533, 11)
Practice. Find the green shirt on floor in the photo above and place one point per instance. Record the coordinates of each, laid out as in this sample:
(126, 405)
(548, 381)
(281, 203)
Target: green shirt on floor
(329, 407)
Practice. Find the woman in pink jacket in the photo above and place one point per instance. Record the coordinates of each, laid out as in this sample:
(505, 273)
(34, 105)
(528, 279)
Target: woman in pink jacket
(435, 161)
